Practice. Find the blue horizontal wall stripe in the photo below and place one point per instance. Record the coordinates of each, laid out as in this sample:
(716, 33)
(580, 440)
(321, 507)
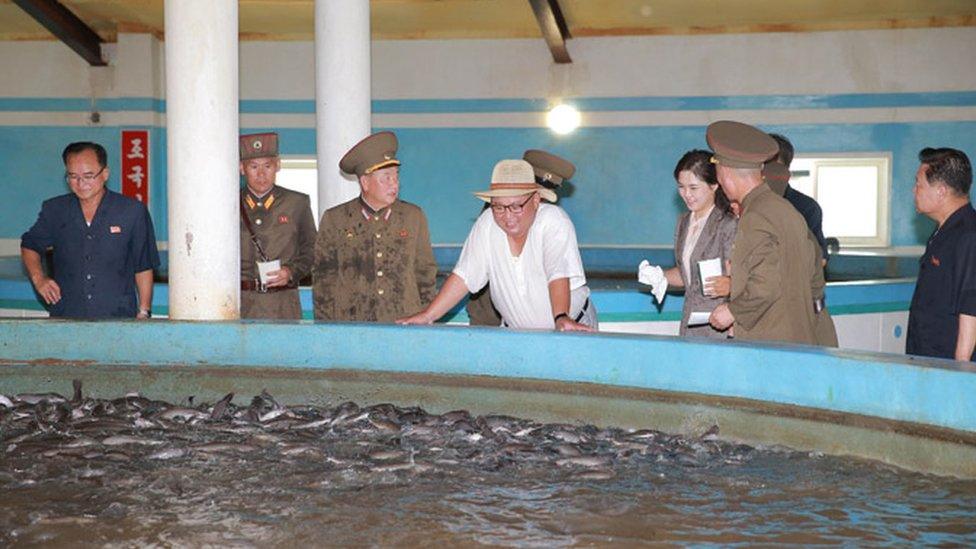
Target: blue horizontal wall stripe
(406, 106)
(277, 106)
(80, 104)
(133, 104)
(756, 102)
(43, 104)
(588, 104)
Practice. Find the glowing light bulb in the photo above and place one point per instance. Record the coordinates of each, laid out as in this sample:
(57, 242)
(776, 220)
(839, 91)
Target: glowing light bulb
(563, 119)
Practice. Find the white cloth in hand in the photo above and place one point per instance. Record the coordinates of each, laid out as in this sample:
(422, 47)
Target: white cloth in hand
(653, 276)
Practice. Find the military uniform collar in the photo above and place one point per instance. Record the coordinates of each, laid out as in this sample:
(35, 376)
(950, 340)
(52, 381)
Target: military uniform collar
(265, 201)
(753, 194)
(369, 213)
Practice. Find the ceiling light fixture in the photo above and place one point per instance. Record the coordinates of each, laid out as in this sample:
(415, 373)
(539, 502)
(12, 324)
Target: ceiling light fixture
(563, 119)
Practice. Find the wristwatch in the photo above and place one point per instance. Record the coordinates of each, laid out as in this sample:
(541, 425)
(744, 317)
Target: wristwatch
(560, 315)
(147, 312)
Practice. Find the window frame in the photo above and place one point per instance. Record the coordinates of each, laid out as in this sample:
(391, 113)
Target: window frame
(303, 162)
(882, 161)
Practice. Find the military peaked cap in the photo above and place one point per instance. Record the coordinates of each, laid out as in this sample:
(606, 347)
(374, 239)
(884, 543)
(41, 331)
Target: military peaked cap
(739, 145)
(259, 145)
(549, 169)
(373, 153)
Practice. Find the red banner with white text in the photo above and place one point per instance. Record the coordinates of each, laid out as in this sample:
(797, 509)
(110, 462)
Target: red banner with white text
(135, 165)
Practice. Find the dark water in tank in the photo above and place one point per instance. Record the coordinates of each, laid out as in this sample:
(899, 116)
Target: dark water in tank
(134, 471)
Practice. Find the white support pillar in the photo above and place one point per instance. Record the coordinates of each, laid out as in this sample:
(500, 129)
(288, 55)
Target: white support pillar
(342, 92)
(202, 159)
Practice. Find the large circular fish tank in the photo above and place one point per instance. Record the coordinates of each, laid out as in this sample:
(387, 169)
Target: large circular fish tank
(353, 434)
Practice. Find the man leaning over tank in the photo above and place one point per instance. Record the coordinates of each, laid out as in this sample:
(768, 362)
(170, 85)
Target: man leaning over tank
(527, 250)
(103, 242)
(942, 316)
(550, 172)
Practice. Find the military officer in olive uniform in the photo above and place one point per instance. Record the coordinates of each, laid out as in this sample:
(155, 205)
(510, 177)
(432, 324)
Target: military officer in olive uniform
(774, 261)
(276, 224)
(373, 259)
(550, 172)
(777, 176)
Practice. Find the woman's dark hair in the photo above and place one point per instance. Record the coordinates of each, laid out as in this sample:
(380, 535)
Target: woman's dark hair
(699, 162)
(722, 202)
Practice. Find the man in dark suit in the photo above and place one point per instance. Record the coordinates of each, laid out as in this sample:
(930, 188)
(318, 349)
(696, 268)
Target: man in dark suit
(104, 245)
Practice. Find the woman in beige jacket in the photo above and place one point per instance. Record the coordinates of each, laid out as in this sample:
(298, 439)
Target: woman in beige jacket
(704, 232)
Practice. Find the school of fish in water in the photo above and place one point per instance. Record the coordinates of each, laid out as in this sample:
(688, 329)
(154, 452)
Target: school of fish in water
(137, 471)
(379, 438)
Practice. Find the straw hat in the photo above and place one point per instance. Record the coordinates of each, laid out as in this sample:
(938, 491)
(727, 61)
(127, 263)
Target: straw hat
(514, 178)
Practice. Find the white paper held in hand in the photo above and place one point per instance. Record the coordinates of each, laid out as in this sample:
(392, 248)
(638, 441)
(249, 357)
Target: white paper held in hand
(708, 268)
(698, 318)
(265, 267)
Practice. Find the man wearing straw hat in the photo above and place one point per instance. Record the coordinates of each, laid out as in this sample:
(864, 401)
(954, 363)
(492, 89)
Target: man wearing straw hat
(527, 250)
(550, 172)
(373, 259)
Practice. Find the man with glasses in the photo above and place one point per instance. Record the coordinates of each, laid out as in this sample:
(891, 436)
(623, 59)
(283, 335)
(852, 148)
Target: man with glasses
(550, 172)
(527, 250)
(104, 245)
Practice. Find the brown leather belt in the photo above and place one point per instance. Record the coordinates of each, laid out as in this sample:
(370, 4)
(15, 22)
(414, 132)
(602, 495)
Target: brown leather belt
(256, 286)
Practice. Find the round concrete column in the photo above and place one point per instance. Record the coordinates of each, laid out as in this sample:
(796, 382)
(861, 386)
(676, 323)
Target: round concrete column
(342, 92)
(202, 159)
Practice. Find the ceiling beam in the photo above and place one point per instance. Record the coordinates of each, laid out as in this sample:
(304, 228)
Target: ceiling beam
(66, 27)
(553, 27)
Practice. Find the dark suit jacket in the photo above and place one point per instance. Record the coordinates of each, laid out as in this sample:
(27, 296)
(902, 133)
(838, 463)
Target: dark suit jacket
(95, 265)
(715, 241)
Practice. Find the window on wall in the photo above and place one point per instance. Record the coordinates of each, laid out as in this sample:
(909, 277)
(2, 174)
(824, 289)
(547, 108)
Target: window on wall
(301, 174)
(853, 192)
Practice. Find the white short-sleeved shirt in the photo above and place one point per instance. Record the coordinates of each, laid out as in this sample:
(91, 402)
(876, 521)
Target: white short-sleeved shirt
(520, 285)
